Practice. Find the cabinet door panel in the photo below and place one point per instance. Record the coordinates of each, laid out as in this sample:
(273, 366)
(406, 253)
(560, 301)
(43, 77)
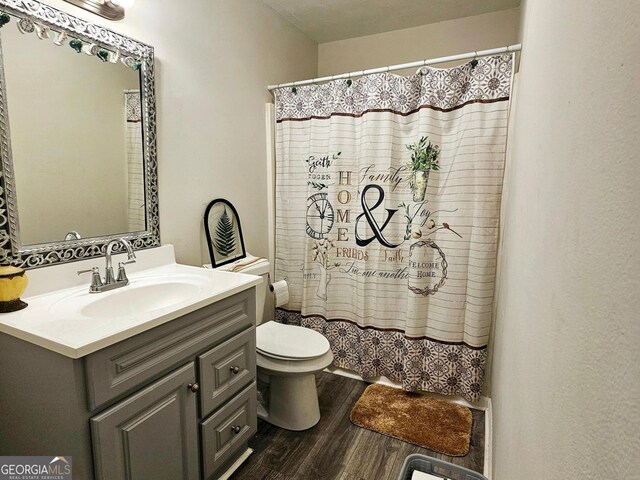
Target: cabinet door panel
(152, 434)
(227, 430)
(226, 369)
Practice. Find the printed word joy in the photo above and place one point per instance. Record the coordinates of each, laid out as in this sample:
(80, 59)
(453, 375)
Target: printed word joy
(393, 256)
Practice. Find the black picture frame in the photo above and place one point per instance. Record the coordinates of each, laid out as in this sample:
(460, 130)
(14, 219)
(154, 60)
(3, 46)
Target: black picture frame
(230, 248)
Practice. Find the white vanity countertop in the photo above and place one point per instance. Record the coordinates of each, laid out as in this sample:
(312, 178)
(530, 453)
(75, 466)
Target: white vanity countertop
(72, 322)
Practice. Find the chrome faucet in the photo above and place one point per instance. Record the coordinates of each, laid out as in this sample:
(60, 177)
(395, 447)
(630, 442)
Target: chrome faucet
(72, 235)
(110, 282)
(131, 258)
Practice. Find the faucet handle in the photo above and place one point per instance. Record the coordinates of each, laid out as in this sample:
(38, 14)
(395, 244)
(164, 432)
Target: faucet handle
(89, 270)
(96, 281)
(122, 274)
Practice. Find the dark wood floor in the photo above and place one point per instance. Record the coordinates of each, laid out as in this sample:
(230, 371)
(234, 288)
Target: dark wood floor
(335, 449)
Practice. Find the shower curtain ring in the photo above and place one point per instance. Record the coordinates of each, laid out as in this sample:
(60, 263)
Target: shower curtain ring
(474, 62)
(420, 69)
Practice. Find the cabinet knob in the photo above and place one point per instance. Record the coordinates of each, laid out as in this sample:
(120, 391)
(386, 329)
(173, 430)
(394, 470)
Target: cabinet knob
(235, 369)
(236, 429)
(194, 387)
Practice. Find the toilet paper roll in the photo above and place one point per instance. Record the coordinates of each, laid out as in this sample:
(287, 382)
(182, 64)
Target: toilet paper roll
(281, 291)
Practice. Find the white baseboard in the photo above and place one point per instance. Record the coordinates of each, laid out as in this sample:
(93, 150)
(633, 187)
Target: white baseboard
(236, 464)
(488, 437)
(484, 405)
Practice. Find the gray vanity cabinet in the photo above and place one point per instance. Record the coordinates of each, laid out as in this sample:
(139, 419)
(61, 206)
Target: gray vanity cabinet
(176, 402)
(152, 434)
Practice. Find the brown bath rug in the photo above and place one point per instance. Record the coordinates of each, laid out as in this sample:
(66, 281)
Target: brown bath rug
(419, 419)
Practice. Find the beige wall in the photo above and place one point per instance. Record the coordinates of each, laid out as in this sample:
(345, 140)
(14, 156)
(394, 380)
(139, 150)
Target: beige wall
(566, 369)
(468, 34)
(71, 169)
(214, 59)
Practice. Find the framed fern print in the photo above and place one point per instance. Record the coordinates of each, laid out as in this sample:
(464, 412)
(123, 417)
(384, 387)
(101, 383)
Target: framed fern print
(224, 233)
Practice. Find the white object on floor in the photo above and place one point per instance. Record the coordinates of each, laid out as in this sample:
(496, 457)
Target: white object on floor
(424, 476)
(281, 291)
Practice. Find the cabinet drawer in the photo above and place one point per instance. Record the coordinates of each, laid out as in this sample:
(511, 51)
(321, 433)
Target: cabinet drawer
(152, 434)
(228, 430)
(121, 368)
(226, 369)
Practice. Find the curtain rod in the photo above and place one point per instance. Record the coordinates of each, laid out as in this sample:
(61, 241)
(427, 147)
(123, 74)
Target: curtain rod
(420, 63)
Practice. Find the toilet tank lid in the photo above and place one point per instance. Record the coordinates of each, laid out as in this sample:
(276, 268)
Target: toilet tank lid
(250, 264)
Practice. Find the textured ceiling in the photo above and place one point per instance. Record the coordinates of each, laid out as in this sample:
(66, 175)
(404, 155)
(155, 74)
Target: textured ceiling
(329, 20)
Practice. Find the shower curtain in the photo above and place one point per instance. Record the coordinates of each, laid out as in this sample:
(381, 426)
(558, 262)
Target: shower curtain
(135, 162)
(387, 208)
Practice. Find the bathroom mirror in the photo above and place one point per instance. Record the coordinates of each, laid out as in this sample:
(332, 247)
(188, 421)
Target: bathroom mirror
(77, 137)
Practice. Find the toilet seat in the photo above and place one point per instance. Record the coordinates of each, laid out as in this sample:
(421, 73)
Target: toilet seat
(290, 342)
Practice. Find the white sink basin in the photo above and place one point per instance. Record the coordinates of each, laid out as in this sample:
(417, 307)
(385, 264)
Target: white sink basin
(142, 298)
(144, 294)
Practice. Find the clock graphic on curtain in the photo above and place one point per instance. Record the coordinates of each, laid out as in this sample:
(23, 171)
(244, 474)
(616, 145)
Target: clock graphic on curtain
(320, 216)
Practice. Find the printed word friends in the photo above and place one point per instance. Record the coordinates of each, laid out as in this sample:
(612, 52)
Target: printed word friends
(354, 253)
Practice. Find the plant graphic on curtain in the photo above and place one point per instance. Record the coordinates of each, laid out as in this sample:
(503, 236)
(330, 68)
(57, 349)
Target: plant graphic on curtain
(424, 158)
(321, 252)
(389, 246)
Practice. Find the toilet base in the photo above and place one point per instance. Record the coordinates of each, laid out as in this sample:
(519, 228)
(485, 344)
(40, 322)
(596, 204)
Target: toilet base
(293, 402)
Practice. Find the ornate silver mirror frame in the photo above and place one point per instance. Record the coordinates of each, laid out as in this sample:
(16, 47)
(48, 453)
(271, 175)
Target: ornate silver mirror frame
(12, 251)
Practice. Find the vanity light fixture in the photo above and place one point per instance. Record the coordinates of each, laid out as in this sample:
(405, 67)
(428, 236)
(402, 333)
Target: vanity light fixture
(109, 9)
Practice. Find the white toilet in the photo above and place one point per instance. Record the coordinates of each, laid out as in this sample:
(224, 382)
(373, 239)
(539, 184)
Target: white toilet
(288, 357)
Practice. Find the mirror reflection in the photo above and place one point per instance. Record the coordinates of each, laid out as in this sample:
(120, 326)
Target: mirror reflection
(76, 139)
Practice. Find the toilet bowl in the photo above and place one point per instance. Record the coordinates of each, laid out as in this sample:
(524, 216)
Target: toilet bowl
(287, 358)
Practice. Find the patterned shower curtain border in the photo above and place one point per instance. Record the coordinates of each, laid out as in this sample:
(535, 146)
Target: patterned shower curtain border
(441, 90)
(423, 364)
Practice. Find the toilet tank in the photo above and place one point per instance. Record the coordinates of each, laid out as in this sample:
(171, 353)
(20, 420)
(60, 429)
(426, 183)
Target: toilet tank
(264, 298)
